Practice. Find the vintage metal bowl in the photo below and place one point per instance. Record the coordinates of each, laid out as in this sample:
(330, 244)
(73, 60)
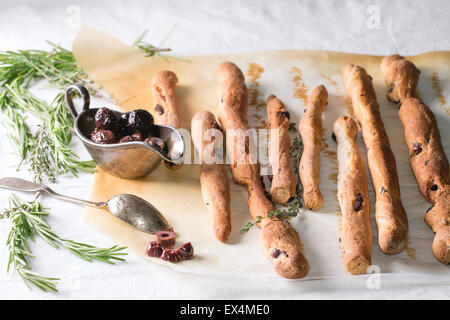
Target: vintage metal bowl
(129, 160)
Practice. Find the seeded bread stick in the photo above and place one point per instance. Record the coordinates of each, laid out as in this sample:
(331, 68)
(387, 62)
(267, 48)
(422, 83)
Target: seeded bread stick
(353, 195)
(213, 177)
(390, 215)
(164, 97)
(283, 182)
(426, 153)
(311, 131)
(281, 243)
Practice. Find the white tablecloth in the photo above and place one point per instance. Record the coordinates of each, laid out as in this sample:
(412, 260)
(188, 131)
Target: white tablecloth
(405, 27)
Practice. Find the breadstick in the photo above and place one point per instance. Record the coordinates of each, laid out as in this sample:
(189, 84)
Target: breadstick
(283, 182)
(281, 243)
(213, 177)
(390, 215)
(353, 195)
(426, 153)
(311, 131)
(166, 112)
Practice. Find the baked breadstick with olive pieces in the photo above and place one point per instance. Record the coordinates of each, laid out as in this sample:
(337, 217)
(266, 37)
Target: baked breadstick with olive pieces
(390, 215)
(213, 177)
(164, 97)
(281, 243)
(426, 153)
(283, 182)
(353, 195)
(311, 131)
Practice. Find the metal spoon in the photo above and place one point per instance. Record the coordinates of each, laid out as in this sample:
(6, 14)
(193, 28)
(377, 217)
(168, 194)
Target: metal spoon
(127, 207)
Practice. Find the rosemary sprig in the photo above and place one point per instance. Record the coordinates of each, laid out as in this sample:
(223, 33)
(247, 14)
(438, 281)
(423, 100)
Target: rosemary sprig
(28, 221)
(47, 150)
(151, 50)
(291, 210)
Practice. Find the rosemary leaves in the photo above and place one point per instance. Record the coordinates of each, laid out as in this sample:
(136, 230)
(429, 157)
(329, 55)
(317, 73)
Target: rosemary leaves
(27, 222)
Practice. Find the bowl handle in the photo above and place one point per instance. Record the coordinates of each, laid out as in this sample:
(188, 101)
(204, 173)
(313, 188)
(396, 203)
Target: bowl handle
(69, 98)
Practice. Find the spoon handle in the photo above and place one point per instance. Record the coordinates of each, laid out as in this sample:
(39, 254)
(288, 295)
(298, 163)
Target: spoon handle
(75, 200)
(25, 185)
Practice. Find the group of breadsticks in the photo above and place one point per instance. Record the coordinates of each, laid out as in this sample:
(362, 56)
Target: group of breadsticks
(280, 241)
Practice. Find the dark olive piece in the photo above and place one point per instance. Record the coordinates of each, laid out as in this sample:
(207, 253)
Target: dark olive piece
(106, 119)
(134, 137)
(159, 109)
(103, 136)
(186, 251)
(285, 114)
(417, 147)
(434, 187)
(166, 238)
(154, 249)
(276, 253)
(358, 202)
(171, 256)
(136, 121)
(156, 142)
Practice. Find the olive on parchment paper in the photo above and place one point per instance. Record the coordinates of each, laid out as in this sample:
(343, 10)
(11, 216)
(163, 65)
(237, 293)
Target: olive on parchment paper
(136, 121)
(137, 136)
(106, 119)
(156, 142)
(103, 136)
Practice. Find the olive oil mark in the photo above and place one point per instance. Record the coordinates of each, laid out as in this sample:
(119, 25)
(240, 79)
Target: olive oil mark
(436, 84)
(410, 251)
(300, 88)
(256, 104)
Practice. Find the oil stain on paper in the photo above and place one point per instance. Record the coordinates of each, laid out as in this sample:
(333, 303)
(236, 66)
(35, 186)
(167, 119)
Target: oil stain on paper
(257, 105)
(436, 84)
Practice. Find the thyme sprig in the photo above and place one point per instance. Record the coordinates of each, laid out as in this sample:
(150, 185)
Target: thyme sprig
(28, 221)
(292, 208)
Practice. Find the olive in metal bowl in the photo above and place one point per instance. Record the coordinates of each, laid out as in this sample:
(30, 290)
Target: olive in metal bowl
(103, 136)
(134, 137)
(136, 121)
(106, 119)
(157, 143)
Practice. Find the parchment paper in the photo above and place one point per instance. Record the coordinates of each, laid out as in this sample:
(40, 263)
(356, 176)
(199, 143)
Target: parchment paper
(125, 73)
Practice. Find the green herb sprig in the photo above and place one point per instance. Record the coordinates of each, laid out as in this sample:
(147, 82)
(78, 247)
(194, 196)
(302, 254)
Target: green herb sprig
(28, 221)
(291, 210)
(151, 50)
(46, 150)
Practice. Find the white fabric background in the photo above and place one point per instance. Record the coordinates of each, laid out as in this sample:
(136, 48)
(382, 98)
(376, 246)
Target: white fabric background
(407, 27)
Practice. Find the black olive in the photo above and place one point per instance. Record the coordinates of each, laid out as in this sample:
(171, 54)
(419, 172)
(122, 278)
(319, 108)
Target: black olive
(156, 142)
(417, 147)
(186, 251)
(358, 203)
(159, 109)
(285, 114)
(434, 187)
(103, 136)
(136, 121)
(134, 137)
(106, 119)
(276, 253)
